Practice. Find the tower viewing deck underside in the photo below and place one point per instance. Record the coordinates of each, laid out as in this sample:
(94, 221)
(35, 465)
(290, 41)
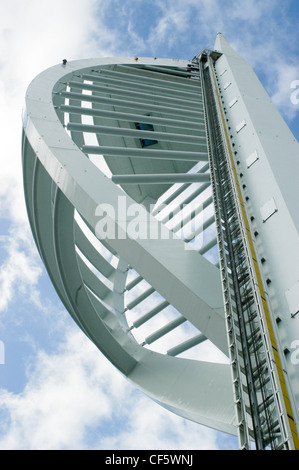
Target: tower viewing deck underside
(161, 200)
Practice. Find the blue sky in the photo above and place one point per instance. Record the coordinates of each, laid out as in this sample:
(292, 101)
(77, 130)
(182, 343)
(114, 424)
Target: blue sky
(56, 389)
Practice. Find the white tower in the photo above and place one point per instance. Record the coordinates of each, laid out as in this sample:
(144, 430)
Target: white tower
(161, 199)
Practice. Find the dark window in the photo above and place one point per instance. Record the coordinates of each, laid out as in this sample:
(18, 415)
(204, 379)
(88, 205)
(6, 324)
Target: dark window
(145, 127)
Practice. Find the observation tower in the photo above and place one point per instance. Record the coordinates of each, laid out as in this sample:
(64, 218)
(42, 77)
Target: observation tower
(162, 200)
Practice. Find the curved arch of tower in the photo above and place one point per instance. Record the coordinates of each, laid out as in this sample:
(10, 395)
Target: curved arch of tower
(124, 162)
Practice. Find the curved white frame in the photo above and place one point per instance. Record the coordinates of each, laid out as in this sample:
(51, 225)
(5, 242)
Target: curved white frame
(58, 178)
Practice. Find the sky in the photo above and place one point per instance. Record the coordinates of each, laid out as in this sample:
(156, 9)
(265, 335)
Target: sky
(56, 390)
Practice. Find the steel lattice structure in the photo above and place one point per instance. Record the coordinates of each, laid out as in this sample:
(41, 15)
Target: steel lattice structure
(156, 199)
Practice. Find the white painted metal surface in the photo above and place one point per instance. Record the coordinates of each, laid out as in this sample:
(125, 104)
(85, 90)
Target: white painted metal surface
(267, 161)
(66, 191)
(85, 157)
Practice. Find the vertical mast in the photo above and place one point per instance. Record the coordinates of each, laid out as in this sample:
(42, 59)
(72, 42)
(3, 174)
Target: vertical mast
(261, 406)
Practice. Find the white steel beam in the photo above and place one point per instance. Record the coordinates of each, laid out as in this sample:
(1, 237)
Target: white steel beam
(126, 116)
(127, 104)
(146, 153)
(160, 178)
(136, 133)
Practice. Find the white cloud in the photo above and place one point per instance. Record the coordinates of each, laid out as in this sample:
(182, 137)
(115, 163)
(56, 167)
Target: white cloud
(35, 35)
(73, 393)
(172, 21)
(285, 75)
(251, 10)
(21, 269)
(152, 427)
(65, 393)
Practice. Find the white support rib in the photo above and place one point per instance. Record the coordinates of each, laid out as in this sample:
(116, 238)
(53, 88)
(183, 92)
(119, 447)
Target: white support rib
(140, 298)
(93, 255)
(160, 178)
(164, 330)
(137, 85)
(135, 133)
(196, 211)
(176, 192)
(186, 345)
(196, 192)
(145, 153)
(170, 101)
(149, 315)
(208, 246)
(180, 76)
(92, 281)
(134, 282)
(207, 223)
(131, 117)
(146, 107)
(151, 80)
